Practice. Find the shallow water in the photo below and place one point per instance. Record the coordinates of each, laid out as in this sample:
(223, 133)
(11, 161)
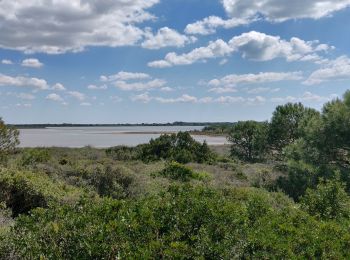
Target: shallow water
(101, 137)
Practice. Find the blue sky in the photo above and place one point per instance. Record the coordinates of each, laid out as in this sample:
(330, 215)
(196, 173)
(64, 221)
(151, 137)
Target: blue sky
(162, 61)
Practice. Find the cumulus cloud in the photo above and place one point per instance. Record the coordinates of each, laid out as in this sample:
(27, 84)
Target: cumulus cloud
(123, 75)
(262, 90)
(32, 63)
(77, 95)
(54, 97)
(183, 99)
(71, 25)
(166, 37)
(94, 87)
(262, 77)
(25, 96)
(140, 86)
(218, 48)
(252, 45)
(144, 98)
(338, 69)
(262, 47)
(7, 62)
(282, 10)
(39, 84)
(306, 97)
(210, 24)
(59, 87)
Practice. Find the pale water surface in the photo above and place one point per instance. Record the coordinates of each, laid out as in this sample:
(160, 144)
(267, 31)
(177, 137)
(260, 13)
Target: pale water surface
(101, 137)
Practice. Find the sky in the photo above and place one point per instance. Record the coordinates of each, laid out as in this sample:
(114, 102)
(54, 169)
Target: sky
(143, 61)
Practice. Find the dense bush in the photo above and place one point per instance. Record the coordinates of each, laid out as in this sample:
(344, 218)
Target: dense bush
(182, 223)
(23, 191)
(249, 140)
(123, 153)
(179, 147)
(328, 201)
(35, 156)
(177, 171)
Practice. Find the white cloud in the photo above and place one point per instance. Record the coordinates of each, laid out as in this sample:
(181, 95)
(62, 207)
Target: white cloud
(116, 99)
(77, 95)
(219, 48)
(26, 105)
(262, 47)
(221, 90)
(123, 75)
(19, 81)
(282, 10)
(7, 62)
(94, 87)
(307, 97)
(166, 89)
(25, 96)
(262, 90)
(262, 77)
(252, 45)
(85, 104)
(183, 99)
(59, 87)
(32, 63)
(166, 37)
(71, 25)
(210, 24)
(144, 98)
(54, 97)
(140, 86)
(338, 69)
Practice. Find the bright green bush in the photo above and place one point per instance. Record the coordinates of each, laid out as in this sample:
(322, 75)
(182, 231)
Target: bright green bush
(34, 156)
(328, 201)
(23, 191)
(182, 223)
(179, 147)
(180, 172)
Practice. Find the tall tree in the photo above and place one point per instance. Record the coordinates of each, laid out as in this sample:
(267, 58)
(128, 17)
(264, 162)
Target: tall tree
(8, 138)
(287, 124)
(249, 139)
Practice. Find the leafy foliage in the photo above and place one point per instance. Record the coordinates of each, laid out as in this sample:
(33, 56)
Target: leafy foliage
(249, 139)
(179, 147)
(286, 124)
(177, 171)
(328, 201)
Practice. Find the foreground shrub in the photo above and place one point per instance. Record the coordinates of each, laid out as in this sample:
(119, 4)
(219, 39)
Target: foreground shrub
(34, 156)
(23, 191)
(328, 201)
(182, 223)
(179, 147)
(180, 172)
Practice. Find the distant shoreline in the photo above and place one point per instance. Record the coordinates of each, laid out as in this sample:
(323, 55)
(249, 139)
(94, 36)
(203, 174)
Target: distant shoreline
(38, 126)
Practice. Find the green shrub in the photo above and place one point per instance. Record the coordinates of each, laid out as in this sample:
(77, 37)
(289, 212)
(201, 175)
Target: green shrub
(183, 223)
(180, 172)
(328, 201)
(179, 147)
(23, 191)
(35, 156)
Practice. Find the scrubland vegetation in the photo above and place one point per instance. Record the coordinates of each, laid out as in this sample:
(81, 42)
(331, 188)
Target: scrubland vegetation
(281, 190)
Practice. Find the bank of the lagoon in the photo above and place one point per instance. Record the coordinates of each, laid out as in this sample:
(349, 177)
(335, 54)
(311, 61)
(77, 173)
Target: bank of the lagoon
(102, 137)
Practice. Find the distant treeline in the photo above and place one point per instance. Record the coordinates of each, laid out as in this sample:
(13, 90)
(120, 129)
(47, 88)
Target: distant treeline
(24, 126)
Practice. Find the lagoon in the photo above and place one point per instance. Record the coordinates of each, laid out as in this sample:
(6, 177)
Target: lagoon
(102, 137)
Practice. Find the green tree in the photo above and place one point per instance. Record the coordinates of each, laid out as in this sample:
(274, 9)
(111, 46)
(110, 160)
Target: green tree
(249, 140)
(8, 139)
(328, 201)
(287, 124)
